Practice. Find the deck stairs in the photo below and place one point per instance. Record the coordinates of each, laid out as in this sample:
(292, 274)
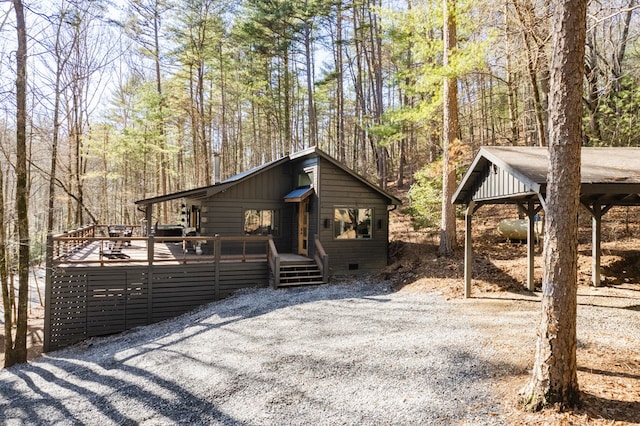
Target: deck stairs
(299, 270)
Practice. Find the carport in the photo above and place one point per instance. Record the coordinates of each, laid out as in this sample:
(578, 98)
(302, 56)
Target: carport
(518, 175)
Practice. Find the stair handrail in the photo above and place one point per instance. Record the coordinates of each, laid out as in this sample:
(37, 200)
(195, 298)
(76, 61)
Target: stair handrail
(274, 261)
(322, 259)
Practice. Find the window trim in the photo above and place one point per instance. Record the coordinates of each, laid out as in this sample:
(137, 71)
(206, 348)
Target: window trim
(371, 234)
(275, 221)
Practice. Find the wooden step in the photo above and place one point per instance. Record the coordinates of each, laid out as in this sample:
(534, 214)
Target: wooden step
(298, 270)
(300, 273)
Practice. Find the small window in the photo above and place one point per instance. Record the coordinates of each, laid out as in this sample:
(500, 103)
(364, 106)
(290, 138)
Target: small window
(305, 179)
(261, 222)
(193, 218)
(351, 223)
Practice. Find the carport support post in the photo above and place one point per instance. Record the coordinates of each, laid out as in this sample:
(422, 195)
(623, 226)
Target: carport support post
(596, 243)
(531, 240)
(468, 249)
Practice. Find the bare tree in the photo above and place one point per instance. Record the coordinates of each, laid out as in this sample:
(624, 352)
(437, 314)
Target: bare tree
(536, 61)
(15, 349)
(146, 24)
(61, 51)
(554, 379)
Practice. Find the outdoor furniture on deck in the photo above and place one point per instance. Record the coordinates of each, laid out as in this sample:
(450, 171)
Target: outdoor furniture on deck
(120, 231)
(169, 230)
(114, 250)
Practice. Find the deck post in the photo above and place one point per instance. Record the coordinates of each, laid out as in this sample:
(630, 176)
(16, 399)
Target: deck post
(48, 293)
(276, 273)
(531, 239)
(596, 244)
(468, 249)
(150, 255)
(217, 253)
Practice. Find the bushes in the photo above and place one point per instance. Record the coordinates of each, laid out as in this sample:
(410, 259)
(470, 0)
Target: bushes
(425, 197)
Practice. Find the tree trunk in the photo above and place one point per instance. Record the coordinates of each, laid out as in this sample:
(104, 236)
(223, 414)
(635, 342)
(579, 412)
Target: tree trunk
(616, 70)
(450, 134)
(61, 62)
(7, 300)
(164, 164)
(18, 353)
(311, 110)
(340, 134)
(511, 93)
(554, 379)
(533, 51)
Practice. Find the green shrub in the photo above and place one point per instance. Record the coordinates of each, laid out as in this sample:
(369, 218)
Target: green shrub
(425, 196)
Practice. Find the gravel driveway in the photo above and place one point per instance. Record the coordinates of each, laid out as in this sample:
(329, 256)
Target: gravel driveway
(351, 353)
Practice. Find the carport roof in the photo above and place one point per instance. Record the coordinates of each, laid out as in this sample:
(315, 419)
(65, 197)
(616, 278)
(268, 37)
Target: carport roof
(609, 176)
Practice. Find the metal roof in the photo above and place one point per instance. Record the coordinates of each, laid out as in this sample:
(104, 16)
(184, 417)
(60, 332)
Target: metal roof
(609, 175)
(210, 190)
(207, 191)
(298, 194)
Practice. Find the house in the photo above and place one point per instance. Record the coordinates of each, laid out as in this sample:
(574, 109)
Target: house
(293, 221)
(304, 201)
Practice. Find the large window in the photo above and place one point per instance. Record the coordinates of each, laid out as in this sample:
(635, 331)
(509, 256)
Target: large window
(351, 223)
(261, 222)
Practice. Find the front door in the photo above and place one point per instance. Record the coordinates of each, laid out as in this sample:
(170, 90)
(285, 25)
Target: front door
(303, 227)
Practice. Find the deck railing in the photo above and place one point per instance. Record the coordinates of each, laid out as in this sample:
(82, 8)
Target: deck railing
(66, 248)
(72, 241)
(274, 262)
(322, 259)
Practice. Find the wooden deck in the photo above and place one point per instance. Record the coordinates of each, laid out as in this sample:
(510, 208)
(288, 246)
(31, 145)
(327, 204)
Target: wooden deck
(292, 258)
(135, 252)
(154, 278)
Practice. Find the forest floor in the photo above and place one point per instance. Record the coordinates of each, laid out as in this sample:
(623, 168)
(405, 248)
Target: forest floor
(609, 378)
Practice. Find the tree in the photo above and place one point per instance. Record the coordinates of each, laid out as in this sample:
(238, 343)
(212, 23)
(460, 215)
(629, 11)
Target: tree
(15, 349)
(61, 50)
(554, 379)
(146, 24)
(450, 132)
(536, 61)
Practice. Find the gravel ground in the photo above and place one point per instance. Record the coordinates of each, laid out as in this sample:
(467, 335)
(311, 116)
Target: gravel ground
(351, 353)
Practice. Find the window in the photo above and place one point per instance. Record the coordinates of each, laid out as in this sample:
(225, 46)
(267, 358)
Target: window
(349, 223)
(193, 218)
(261, 222)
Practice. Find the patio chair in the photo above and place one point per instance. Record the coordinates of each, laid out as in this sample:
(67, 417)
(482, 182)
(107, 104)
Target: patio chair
(114, 251)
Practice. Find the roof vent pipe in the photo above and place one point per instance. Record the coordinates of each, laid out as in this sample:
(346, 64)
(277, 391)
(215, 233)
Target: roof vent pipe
(216, 168)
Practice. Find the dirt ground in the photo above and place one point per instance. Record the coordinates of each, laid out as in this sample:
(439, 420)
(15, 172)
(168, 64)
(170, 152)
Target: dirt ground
(609, 383)
(35, 334)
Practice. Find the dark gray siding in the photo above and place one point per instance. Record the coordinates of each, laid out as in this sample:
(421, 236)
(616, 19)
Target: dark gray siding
(498, 183)
(223, 214)
(336, 188)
